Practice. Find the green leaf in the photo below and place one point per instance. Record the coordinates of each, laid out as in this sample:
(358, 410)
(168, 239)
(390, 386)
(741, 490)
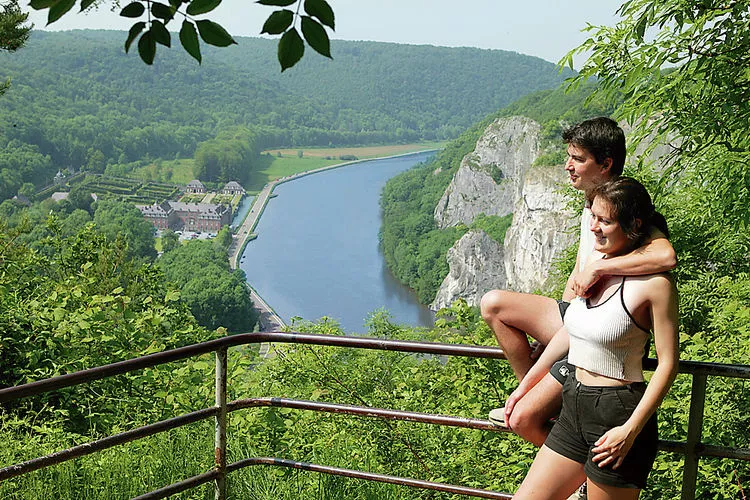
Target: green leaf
(147, 48)
(321, 10)
(278, 22)
(85, 4)
(135, 9)
(189, 40)
(162, 11)
(59, 9)
(135, 30)
(160, 34)
(316, 36)
(214, 34)
(277, 3)
(42, 4)
(197, 7)
(291, 49)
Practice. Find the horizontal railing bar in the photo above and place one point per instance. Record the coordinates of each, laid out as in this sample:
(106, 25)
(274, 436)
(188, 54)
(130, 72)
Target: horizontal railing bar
(370, 476)
(175, 488)
(120, 367)
(709, 450)
(365, 411)
(103, 444)
(100, 372)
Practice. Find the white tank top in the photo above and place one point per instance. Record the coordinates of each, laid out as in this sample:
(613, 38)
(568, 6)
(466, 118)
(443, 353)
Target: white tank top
(605, 339)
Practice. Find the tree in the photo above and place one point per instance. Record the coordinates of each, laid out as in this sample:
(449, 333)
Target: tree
(157, 16)
(13, 31)
(681, 68)
(119, 220)
(169, 240)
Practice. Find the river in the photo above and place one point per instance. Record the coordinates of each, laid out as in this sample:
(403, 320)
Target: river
(317, 249)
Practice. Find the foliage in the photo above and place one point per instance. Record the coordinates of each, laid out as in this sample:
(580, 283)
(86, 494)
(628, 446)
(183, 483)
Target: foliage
(122, 221)
(158, 16)
(130, 116)
(215, 295)
(13, 31)
(493, 225)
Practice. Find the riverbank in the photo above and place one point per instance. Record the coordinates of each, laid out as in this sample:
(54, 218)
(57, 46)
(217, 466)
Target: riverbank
(246, 231)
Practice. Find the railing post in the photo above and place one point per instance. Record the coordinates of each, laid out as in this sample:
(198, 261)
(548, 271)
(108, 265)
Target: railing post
(220, 440)
(695, 434)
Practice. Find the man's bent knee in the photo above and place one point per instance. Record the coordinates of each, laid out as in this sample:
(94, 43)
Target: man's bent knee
(491, 303)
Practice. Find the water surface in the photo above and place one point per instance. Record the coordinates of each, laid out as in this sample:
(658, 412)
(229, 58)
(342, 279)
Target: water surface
(317, 249)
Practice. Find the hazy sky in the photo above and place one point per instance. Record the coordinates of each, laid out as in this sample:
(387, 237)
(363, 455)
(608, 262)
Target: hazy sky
(543, 28)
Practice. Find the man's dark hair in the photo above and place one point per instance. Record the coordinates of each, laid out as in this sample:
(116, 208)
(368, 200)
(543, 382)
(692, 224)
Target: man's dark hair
(601, 137)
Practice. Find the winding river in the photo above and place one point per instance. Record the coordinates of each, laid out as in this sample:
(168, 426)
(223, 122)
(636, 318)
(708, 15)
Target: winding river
(317, 252)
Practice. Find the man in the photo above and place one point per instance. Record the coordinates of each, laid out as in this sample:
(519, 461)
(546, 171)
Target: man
(596, 154)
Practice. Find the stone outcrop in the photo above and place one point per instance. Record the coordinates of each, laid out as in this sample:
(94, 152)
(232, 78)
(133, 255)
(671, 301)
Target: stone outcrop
(503, 153)
(476, 266)
(542, 227)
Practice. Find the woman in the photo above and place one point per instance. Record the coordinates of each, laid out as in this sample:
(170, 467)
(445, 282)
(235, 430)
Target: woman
(606, 433)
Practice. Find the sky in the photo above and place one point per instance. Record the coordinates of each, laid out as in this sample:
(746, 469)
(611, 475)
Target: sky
(542, 28)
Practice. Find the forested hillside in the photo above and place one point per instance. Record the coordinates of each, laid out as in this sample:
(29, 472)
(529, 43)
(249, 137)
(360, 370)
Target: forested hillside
(414, 247)
(78, 101)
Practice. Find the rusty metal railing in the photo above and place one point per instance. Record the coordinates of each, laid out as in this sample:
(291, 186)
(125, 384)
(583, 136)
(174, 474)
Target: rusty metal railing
(692, 448)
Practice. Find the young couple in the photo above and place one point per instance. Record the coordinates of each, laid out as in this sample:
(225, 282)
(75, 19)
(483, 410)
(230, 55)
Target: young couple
(617, 296)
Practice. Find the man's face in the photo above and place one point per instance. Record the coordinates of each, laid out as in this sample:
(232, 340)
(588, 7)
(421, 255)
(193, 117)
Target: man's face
(585, 173)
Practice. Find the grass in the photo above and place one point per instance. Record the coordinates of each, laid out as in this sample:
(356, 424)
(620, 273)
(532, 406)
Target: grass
(169, 171)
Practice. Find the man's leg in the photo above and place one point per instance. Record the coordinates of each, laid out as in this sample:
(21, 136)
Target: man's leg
(531, 415)
(512, 316)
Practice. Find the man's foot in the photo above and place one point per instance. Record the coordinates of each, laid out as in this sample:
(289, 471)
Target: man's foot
(497, 416)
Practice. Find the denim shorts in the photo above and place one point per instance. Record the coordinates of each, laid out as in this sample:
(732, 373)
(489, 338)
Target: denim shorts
(587, 413)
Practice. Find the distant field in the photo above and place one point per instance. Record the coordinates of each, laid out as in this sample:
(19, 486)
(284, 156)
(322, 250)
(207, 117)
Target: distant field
(273, 166)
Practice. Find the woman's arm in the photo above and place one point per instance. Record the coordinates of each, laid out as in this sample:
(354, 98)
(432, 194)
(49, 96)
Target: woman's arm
(615, 443)
(655, 256)
(555, 350)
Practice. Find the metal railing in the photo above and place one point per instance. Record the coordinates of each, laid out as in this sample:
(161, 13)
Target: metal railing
(692, 448)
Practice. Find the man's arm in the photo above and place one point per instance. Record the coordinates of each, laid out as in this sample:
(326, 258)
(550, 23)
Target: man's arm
(653, 257)
(569, 293)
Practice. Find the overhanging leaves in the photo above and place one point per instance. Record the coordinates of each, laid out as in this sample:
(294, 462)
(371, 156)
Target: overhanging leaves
(277, 3)
(197, 7)
(58, 9)
(134, 9)
(278, 22)
(213, 34)
(189, 40)
(160, 34)
(135, 30)
(41, 4)
(85, 4)
(162, 11)
(147, 48)
(316, 36)
(322, 10)
(291, 48)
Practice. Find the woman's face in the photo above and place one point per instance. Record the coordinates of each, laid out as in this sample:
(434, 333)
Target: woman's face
(609, 238)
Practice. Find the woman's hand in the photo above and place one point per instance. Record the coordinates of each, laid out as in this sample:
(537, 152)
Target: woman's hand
(612, 447)
(514, 398)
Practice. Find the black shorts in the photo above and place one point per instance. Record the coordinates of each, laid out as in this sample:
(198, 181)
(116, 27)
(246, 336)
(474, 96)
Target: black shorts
(587, 413)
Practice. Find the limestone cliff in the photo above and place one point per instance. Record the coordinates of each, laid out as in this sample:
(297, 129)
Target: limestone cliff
(476, 266)
(542, 227)
(489, 179)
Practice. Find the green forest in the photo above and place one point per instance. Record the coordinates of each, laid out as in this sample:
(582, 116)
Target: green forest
(79, 102)
(80, 287)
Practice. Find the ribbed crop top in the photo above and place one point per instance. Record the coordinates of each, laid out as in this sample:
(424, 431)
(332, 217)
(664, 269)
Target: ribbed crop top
(605, 339)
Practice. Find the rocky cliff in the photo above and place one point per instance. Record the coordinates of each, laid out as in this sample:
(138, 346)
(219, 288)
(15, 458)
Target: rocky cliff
(490, 178)
(542, 227)
(476, 266)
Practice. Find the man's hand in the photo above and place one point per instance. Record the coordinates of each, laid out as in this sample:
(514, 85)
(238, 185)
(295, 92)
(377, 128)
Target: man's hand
(584, 281)
(537, 348)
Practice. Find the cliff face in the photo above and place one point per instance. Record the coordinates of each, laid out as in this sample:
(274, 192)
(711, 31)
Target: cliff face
(542, 227)
(476, 266)
(503, 153)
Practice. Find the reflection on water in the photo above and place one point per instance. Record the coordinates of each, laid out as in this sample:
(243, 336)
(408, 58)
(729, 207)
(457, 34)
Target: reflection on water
(239, 215)
(317, 249)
